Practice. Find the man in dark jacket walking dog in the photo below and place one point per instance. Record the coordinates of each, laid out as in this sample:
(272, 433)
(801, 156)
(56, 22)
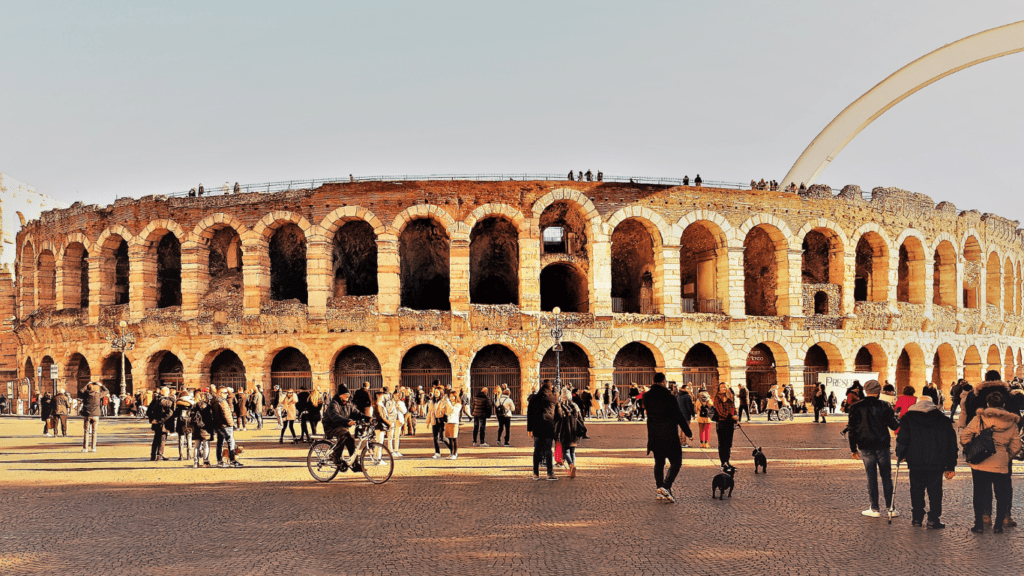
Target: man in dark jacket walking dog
(540, 424)
(868, 432)
(664, 419)
(928, 443)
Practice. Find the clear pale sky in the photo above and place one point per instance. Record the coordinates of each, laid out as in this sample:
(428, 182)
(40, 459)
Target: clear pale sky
(107, 99)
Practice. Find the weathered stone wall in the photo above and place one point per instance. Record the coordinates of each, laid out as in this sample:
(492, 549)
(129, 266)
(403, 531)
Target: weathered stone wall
(236, 310)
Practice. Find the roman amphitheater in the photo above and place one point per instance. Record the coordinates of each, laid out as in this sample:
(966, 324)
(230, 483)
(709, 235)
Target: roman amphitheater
(409, 281)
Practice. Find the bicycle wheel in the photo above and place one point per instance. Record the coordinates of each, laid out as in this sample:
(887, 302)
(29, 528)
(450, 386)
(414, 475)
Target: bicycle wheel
(319, 462)
(377, 463)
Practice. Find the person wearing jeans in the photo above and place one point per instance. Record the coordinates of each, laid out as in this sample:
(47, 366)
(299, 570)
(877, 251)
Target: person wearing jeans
(225, 429)
(504, 409)
(540, 424)
(994, 472)
(481, 408)
(436, 418)
(869, 423)
(91, 407)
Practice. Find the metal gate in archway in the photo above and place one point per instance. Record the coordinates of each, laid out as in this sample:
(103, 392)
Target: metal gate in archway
(576, 376)
(699, 376)
(493, 378)
(413, 379)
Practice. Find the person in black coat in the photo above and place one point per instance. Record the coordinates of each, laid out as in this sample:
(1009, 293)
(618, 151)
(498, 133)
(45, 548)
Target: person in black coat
(481, 409)
(685, 401)
(361, 399)
(45, 412)
(928, 443)
(868, 432)
(159, 413)
(664, 419)
(540, 424)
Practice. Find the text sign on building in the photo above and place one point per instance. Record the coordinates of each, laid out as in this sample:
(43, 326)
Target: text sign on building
(838, 382)
(53, 371)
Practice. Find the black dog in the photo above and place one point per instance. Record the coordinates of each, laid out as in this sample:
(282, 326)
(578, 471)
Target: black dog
(760, 461)
(723, 482)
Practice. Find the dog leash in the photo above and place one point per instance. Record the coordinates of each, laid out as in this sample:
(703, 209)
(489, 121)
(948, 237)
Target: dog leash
(709, 458)
(752, 445)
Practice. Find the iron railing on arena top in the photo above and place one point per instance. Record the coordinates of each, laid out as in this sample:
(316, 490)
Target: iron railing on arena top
(287, 185)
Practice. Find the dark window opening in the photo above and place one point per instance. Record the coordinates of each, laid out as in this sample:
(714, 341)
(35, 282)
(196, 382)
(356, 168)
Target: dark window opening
(288, 264)
(494, 262)
(821, 303)
(632, 262)
(761, 274)
(354, 260)
(168, 271)
(564, 286)
(424, 252)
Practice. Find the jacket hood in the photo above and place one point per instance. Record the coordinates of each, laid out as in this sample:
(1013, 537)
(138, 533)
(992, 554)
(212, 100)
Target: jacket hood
(923, 405)
(989, 385)
(932, 419)
(184, 401)
(998, 418)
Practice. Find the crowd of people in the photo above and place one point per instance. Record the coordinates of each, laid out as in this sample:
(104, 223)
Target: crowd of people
(224, 189)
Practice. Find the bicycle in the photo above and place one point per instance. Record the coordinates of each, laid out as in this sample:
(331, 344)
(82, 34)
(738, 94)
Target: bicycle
(370, 457)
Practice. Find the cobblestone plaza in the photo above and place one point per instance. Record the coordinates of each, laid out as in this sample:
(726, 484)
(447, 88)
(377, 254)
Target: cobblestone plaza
(115, 512)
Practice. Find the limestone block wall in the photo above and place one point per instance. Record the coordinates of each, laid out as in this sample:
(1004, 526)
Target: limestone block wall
(909, 342)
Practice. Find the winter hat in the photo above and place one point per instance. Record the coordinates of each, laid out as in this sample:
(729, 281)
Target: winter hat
(872, 387)
(923, 405)
(342, 389)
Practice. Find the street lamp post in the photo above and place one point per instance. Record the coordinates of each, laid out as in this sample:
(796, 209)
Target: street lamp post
(123, 341)
(556, 334)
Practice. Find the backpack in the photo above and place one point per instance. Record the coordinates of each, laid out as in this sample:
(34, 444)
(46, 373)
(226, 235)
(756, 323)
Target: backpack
(195, 416)
(500, 410)
(712, 413)
(703, 410)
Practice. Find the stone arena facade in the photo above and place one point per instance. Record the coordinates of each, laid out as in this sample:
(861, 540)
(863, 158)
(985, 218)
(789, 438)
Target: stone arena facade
(406, 282)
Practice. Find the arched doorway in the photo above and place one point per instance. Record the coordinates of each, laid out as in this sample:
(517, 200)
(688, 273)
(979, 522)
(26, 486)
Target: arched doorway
(633, 268)
(944, 275)
(77, 373)
(423, 364)
(75, 273)
(702, 256)
(1008, 370)
(972, 272)
(227, 369)
(424, 253)
(910, 369)
(494, 262)
(288, 264)
(493, 366)
(46, 383)
(111, 374)
(166, 369)
(564, 286)
(700, 368)
(871, 280)
(30, 377)
(765, 271)
(761, 370)
(910, 272)
(944, 368)
(354, 260)
(356, 365)
(871, 359)
(634, 364)
(993, 281)
(573, 364)
(114, 271)
(291, 370)
(46, 286)
(168, 271)
(816, 361)
(972, 366)
(995, 362)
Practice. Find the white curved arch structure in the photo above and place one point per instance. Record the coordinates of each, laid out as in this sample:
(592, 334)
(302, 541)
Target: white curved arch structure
(929, 68)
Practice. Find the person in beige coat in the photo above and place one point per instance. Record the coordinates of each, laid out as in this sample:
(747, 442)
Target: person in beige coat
(994, 472)
(289, 413)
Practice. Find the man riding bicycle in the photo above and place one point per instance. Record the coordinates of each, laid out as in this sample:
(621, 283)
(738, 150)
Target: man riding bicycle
(338, 417)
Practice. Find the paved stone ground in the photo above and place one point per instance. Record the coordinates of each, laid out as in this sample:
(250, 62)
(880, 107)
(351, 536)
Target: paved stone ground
(115, 512)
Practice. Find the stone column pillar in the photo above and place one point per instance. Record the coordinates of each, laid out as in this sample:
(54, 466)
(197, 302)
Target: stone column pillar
(795, 289)
(601, 274)
(849, 281)
(94, 263)
(529, 269)
(458, 270)
(388, 279)
(141, 280)
(255, 276)
(670, 291)
(319, 281)
(195, 277)
(736, 303)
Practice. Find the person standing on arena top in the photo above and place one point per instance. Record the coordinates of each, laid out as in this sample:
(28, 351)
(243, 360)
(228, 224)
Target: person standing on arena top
(663, 421)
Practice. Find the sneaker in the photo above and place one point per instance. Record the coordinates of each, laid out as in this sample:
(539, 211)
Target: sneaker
(485, 445)
(535, 478)
(475, 444)
(668, 495)
(397, 454)
(436, 456)
(997, 530)
(236, 464)
(936, 525)
(658, 495)
(894, 514)
(222, 464)
(93, 450)
(552, 478)
(207, 464)
(572, 471)
(871, 513)
(195, 464)
(507, 445)
(85, 449)
(453, 457)
(917, 523)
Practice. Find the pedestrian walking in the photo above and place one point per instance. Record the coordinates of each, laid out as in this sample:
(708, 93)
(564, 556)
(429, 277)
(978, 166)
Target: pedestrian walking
(725, 411)
(703, 408)
(385, 416)
(993, 473)
(569, 428)
(46, 408)
(159, 412)
(258, 403)
(664, 419)
(774, 402)
(686, 407)
(540, 425)
(932, 392)
(183, 425)
(868, 432)
(453, 413)
(241, 402)
(289, 403)
(482, 408)
(503, 410)
(955, 392)
(412, 399)
(907, 399)
(202, 418)
(62, 409)
(436, 418)
(927, 442)
(362, 400)
(745, 402)
(224, 426)
(90, 415)
(820, 402)
(115, 405)
(832, 402)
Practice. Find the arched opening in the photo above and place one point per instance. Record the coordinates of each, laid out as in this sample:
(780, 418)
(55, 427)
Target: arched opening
(633, 268)
(27, 281)
(288, 264)
(224, 264)
(910, 369)
(700, 368)
(816, 361)
(1008, 289)
(634, 364)
(166, 369)
(871, 359)
(111, 374)
(354, 260)
(972, 366)
(227, 369)
(114, 271)
(910, 284)
(168, 271)
(423, 364)
(291, 370)
(944, 368)
(563, 227)
(77, 373)
(46, 285)
(493, 366)
(994, 280)
(820, 303)
(761, 370)
(75, 270)
(424, 250)
(701, 257)
(565, 286)
(995, 362)
(765, 271)
(871, 279)
(494, 262)
(573, 364)
(357, 364)
(815, 264)
(944, 275)
(972, 272)
(45, 381)
(30, 374)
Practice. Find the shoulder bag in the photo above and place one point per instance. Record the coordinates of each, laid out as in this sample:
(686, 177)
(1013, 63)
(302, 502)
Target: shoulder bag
(982, 446)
